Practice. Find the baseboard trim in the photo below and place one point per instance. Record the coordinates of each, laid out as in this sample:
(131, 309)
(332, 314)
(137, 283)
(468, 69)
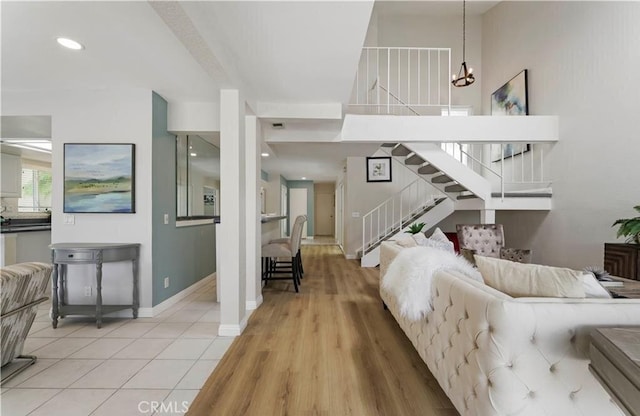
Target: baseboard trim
(167, 303)
(351, 257)
(233, 330)
(254, 304)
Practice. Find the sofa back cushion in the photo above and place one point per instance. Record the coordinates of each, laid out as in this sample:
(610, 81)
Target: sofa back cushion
(530, 280)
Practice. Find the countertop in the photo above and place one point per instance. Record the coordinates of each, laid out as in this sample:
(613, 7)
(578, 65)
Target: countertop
(269, 218)
(19, 225)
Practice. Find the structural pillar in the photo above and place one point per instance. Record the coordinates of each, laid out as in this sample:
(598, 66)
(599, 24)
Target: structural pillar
(231, 264)
(487, 216)
(253, 226)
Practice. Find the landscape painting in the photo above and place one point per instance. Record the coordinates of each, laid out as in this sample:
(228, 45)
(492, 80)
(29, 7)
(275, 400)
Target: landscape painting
(99, 178)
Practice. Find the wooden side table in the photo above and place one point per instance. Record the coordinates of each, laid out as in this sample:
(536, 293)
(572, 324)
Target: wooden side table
(63, 254)
(615, 362)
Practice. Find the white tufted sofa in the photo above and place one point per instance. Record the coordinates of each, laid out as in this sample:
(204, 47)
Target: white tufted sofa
(497, 355)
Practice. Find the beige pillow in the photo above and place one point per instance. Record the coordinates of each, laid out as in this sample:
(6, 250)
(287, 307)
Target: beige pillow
(530, 280)
(406, 241)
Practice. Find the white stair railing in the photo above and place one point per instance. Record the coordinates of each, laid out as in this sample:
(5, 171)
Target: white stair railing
(515, 166)
(397, 212)
(390, 80)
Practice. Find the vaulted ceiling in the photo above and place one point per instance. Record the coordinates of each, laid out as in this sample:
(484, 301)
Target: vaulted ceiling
(300, 52)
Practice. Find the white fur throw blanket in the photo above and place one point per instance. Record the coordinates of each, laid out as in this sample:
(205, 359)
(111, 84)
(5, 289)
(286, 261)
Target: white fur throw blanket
(410, 274)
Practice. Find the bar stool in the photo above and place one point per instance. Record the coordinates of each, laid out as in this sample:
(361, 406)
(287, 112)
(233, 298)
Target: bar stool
(271, 252)
(287, 240)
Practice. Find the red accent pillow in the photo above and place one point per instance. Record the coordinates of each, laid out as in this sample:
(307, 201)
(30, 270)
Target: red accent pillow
(453, 237)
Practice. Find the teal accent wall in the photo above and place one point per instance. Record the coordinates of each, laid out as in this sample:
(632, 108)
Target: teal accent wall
(308, 185)
(283, 181)
(187, 254)
(264, 175)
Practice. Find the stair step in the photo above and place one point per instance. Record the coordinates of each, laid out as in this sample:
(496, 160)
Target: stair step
(428, 170)
(400, 150)
(389, 144)
(455, 188)
(523, 194)
(441, 179)
(414, 159)
(467, 197)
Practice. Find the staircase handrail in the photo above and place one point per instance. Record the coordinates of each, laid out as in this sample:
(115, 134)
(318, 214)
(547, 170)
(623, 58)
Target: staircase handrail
(422, 199)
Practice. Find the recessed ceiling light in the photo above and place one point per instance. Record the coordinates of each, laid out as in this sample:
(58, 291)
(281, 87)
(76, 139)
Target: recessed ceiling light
(265, 155)
(193, 154)
(304, 178)
(70, 43)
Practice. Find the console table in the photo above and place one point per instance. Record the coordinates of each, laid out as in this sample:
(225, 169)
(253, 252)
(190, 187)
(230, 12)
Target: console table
(622, 260)
(63, 254)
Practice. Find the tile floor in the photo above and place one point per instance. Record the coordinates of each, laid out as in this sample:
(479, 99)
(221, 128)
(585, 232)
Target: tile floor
(128, 367)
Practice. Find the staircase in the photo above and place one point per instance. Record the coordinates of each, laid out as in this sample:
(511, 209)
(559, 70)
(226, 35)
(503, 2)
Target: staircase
(457, 187)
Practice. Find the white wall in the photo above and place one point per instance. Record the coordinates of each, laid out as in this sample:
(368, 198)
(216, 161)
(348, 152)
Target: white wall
(99, 116)
(581, 58)
(435, 31)
(362, 196)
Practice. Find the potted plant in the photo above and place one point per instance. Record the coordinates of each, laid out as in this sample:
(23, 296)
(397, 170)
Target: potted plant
(415, 228)
(629, 227)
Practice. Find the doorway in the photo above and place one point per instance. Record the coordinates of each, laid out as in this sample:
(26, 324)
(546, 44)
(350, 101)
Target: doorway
(324, 209)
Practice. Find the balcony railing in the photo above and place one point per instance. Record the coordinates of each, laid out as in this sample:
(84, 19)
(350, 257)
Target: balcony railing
(405, 81)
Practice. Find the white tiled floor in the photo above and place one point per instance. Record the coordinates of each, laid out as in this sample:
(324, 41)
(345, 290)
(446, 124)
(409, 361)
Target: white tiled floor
(147, 366)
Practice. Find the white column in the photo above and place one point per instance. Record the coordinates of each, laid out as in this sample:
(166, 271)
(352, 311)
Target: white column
(253, 226)
(487, 216)
(231, 266)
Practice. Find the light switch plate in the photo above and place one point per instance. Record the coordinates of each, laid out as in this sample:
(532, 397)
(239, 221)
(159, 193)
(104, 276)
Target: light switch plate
(355, 214)
(166, 218)
(69, 219)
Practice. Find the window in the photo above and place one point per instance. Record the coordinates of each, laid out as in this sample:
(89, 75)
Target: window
(36, 191)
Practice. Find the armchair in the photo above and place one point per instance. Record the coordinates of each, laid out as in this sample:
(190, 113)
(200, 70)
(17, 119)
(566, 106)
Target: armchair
(488, 240)
(22, 288)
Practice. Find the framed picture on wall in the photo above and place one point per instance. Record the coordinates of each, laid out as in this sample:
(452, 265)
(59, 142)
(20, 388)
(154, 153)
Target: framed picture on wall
(99, 178)
(510, 100)
(379, 169)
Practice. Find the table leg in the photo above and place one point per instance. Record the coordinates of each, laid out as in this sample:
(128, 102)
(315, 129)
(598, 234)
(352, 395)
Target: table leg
(99, 289)
(136, 293)
(62, 286)
(54, 295)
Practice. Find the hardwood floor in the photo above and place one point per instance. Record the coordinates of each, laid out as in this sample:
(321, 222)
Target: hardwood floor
(329, 350)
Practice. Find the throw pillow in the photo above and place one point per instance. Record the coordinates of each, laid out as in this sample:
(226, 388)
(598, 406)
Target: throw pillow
(530, 280)
(419, 238)
(592, 288)
(438, 240)
(406, 241)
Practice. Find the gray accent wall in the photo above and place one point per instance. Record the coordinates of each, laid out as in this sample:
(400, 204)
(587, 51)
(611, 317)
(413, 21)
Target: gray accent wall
(186, 254)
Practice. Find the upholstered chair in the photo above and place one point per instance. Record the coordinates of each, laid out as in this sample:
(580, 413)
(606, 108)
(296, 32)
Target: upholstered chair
(273, 268)
(488, 240)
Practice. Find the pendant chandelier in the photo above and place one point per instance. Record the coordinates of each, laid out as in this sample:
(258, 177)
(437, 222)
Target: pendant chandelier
(465, 76)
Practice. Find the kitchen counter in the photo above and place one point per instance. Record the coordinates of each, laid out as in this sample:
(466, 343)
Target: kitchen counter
(5, 229)
(269, 218)
(21, 225)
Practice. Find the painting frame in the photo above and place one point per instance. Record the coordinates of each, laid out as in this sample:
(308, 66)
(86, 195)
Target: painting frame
(511, 99)
(379, 169)
(99, 178)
